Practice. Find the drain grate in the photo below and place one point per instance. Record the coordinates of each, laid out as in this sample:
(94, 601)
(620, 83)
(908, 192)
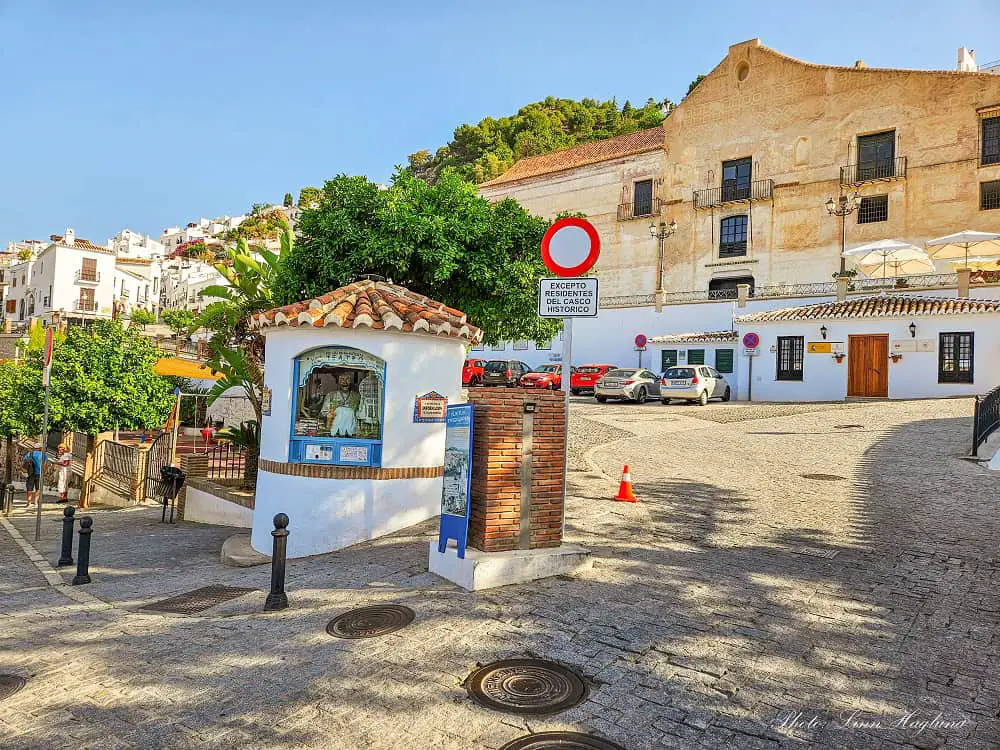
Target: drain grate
(561, 741)
(10, 684)
(193, 602)
(526, 686)
(370, 622)
(824, 477)
(827, 554)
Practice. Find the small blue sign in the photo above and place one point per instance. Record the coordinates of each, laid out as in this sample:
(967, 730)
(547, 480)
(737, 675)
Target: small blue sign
(456, 495)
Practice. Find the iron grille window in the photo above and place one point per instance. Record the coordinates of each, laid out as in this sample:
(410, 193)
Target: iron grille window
(989, 195)
(877, 155)
(873, 208)
(733, 237)
(520, 346)
(547, 346)
(724, 360)
(498, 347)
(790, 352)
(955, 353)
(736, 178)
(668, 359)
(643, 203)
(696, 356)
(991, 140)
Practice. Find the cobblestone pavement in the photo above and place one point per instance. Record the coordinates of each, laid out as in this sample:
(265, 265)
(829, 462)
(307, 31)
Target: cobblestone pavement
(740, 604)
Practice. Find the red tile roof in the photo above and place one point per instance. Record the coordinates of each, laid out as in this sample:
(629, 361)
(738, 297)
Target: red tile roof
(373, 304)
(579, 156)
(81, 243)
(703, 337)
(882, 306)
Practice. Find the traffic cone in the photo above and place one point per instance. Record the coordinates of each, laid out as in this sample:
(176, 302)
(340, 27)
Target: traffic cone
(625, 488)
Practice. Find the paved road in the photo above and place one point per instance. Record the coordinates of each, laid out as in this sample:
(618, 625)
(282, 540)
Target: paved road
(740, 604)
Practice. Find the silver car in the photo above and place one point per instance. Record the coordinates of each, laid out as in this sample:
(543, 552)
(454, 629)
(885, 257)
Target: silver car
(693, 383)
(633, 385)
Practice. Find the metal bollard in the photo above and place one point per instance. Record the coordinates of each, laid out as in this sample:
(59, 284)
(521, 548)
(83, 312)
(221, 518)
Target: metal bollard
(66, 557)
(83, 552)
(7, 499)
(277, 598)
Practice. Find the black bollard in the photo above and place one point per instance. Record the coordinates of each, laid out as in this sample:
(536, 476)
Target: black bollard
(278, 599)
(83, 552)
(66, 558)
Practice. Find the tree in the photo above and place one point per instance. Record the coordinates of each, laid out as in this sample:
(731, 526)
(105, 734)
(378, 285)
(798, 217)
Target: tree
(17, 417)
(309, 196)
(142, 317)
(264, 222)
(288, 202)
(179, 321)
(441, 240)
(694, 84)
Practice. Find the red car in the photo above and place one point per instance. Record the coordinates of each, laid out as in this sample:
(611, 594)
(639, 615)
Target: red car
(472, 372)
(586, 376)
(545, 376)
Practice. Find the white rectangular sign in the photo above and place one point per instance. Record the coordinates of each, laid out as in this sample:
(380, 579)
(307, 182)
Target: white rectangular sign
(567, 298)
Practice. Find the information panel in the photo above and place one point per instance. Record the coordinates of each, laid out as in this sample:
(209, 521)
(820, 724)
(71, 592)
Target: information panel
(567, 298)
(455, 491)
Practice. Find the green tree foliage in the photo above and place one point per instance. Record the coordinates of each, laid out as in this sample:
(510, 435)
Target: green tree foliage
(441, 240)
(694, 84)
(18, 417)
(288, 201)
(142, 317)
(487, 149)
(309, 196)
(264, 222)
(179, 321)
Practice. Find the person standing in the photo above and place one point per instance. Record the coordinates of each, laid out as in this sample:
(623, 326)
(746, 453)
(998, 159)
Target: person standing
(32, 465)
(65, 462)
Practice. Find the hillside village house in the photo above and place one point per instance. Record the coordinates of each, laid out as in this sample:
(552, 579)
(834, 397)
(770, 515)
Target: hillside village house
(745, 165)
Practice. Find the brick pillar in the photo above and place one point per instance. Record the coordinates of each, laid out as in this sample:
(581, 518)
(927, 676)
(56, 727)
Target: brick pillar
(193, 465)
(517, 498)
(964, 281)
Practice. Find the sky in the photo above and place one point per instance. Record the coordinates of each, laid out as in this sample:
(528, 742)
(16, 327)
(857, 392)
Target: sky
(117, 113)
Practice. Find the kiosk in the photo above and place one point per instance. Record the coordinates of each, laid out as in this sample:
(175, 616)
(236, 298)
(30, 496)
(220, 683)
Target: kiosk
(344, 452)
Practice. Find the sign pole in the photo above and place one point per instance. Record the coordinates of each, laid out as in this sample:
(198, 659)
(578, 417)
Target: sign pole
(46, 378)
(567, 385)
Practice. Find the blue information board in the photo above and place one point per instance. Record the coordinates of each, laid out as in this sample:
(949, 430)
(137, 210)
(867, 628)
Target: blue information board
(456, 496)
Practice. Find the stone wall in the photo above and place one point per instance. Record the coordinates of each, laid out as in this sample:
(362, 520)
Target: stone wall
(516, 454)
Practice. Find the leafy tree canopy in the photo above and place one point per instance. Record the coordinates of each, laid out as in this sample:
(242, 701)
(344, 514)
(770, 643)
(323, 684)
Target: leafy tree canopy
(288, 201)
(694, 84)
(264, 222)
(142, 317)
(309, 195)
(487, 149)
(179, 321)
(441, 240)
(18, 417)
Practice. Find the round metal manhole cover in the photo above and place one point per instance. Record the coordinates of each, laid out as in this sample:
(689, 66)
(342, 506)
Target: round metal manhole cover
(561, 741)
(10, 684)
(823, 477)
(370, 622)
(526, 686)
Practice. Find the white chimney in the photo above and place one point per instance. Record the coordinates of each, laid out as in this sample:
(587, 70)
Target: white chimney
(967, 60)
(69, 238)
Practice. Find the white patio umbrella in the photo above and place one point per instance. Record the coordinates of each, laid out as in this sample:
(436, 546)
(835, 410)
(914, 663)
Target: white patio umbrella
(877, 258)
(978, 263)
(958, 245)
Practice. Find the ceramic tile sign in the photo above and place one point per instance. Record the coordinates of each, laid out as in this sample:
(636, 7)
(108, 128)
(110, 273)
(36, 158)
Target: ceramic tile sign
(265, 402)
(455, 491)
(431, 407)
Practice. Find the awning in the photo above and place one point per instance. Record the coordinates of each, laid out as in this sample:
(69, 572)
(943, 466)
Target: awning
(183, 368)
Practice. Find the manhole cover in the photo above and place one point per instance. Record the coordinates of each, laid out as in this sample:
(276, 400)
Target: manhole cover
(561, 741)
(823, 477)
(846, 426)
(10, 684)
(526, 686)
(198, 600)
(370, 622)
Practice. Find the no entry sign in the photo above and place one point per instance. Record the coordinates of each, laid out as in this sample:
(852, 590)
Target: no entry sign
(570, 247)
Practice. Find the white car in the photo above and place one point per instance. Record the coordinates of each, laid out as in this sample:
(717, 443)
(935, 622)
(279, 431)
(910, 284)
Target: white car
(693, 383)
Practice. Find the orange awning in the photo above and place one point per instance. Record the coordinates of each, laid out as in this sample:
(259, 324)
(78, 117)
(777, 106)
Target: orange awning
(183, 368)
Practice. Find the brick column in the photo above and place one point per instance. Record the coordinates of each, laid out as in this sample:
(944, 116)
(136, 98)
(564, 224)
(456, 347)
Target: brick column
(518, 470)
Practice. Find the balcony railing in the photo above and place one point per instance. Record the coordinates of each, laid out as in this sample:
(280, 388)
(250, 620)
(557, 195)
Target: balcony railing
(85, 305)
(758, 190)
(88, 277)
(639, 209)
(873, 171)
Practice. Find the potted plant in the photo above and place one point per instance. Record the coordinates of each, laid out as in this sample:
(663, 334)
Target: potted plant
(896, 357)
(839, 356)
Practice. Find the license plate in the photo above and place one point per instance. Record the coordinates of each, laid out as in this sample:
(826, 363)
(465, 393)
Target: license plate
(611, 384)
(678, 384)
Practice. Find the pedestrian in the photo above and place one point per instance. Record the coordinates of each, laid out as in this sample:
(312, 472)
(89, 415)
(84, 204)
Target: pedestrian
(31, 464)
(65, 462)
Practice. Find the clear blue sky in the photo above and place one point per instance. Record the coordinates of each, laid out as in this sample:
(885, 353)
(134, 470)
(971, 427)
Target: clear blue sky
(119, 113)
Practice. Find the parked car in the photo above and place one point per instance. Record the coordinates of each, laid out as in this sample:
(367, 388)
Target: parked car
(472, 372)
(585, 377)
(694, 383)
(504, 372)
(544, 376)
(633, 384)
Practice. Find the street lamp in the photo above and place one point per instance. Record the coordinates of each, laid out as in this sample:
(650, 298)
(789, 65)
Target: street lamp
(843, 207)
(661, 233)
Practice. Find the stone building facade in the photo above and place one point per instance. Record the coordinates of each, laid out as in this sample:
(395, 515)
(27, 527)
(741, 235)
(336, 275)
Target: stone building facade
(747, 161)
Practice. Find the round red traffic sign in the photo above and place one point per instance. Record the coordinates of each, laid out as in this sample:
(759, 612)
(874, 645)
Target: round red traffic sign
(570, 247)
(751, 340)
(641, 340)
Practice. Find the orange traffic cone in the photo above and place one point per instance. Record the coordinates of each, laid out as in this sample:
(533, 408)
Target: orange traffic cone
(625, 488)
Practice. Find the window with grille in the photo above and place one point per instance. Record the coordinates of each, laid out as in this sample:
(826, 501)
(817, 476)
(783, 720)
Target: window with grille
(733, 236)
(668, 359)
(955, 352)
(696, 356)
(877, 155)
(991, 140)
(873, 208)
(989, 195)
(736, 179)
(520, 346)
(790, 352)
(724, 360)
(547, 346)
(643, 203)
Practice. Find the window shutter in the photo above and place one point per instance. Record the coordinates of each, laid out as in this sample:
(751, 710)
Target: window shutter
(724, 360)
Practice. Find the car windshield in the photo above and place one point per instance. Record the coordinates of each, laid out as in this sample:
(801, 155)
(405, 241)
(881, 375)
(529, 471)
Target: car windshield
(547, 368)
(588, 369)
(496, 366)
(620, 374)
(679, 373)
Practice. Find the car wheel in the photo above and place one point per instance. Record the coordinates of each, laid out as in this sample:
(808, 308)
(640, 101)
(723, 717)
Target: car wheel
(665, 401)
(703, 398)
(601, 399)
(640, 395)
(575, 391)
(727, 395)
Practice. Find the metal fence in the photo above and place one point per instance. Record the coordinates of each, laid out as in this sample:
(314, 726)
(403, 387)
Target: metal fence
(157, 457)
(226, 461)
(732, 192)
(115, 467)
(876, 169)
(986, 418)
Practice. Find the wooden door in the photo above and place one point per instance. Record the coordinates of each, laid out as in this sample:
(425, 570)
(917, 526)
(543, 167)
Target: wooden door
(868, 365)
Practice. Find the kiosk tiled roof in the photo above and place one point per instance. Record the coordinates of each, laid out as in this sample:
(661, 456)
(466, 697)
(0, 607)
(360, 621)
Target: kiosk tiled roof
(378, 305)
(882, 306)
(695, 338)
